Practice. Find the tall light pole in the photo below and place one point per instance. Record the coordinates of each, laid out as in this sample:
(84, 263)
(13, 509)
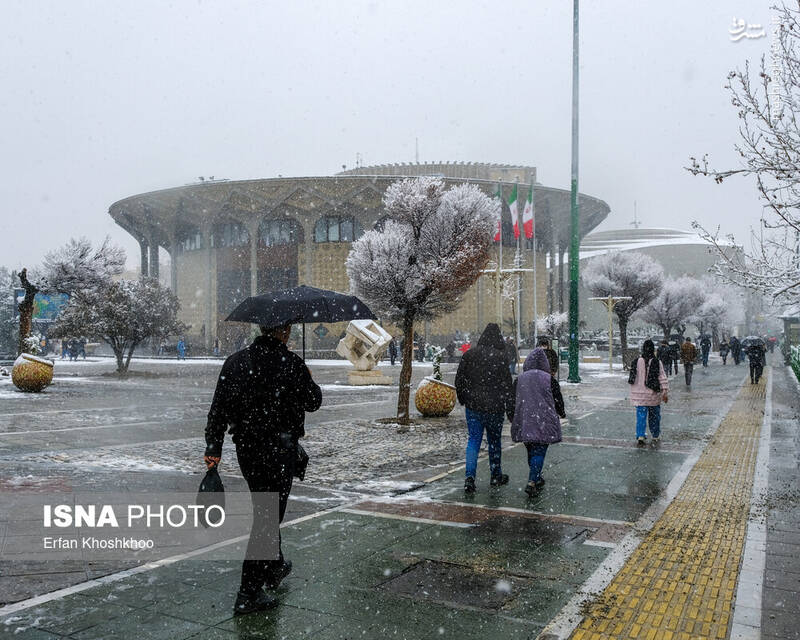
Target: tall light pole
(574, 246)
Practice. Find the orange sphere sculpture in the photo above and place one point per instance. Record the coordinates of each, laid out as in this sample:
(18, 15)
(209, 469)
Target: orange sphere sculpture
(435, 398)
(30, 373)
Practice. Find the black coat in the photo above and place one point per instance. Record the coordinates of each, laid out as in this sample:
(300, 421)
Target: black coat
(483, 379)
(263, 390)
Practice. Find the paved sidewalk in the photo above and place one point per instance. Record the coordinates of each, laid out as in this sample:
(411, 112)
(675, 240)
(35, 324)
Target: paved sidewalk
(434, 563)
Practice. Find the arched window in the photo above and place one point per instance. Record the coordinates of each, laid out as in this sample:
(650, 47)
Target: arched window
(230, 234)
(274, 232)
(193, 241)
(337, 229)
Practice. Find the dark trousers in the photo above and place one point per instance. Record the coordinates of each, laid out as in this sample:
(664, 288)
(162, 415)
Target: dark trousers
(687, 372)
(756, 369)
(265, 470)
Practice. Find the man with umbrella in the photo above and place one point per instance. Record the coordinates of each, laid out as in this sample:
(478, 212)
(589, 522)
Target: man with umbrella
(263, 393)
(755, 349)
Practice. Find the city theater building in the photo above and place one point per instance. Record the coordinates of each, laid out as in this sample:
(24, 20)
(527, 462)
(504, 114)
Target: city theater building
(231, 239)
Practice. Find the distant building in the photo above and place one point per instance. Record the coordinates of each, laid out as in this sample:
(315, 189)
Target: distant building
(680, 253)
(231, 239)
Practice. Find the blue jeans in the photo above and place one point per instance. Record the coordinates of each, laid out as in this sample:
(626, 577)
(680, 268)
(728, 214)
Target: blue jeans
(477, 421)
(648, 416)
(705, 357)
(536, 453)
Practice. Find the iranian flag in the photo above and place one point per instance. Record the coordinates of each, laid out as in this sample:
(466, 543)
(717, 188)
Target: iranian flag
(527, 215)
(512, 204)
(499, 234)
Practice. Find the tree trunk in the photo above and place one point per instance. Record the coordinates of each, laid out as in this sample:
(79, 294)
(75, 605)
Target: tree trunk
(666, 329)
(623, 337)
(25, 310)
(130, 353)
(403, 397)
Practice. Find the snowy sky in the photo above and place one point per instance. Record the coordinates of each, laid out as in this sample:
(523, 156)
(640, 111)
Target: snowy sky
(102, 100)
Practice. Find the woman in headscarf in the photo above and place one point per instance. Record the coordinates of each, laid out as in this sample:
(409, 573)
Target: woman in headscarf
(483, 385)
(537, 409)
(649, 388)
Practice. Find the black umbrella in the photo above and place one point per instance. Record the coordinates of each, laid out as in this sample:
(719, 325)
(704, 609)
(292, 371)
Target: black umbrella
(300, 304)
(751, 340)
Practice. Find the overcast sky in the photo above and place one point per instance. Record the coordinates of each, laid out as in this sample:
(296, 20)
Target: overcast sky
(103, 100)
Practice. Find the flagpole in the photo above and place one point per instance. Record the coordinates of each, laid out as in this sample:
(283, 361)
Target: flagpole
(533, 252)
(498, 281)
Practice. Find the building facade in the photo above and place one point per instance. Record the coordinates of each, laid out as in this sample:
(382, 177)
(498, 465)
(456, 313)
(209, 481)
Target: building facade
(231, 239)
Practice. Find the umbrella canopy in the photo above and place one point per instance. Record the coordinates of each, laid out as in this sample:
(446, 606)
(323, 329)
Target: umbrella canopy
(300, 304)
(750, 340)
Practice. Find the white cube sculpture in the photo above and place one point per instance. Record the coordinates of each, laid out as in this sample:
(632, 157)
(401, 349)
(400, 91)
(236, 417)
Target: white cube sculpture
(364, 344)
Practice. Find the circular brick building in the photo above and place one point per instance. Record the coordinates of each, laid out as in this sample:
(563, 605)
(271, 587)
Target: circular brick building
(231, 239)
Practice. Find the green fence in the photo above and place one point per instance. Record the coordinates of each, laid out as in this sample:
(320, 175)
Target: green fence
(794, 360)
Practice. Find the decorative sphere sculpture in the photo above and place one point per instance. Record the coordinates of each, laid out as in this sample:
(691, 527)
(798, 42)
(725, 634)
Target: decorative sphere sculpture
(30, 373)
(435, 398)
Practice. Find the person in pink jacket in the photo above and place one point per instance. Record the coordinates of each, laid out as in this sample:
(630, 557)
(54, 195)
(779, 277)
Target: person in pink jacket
(649, 388)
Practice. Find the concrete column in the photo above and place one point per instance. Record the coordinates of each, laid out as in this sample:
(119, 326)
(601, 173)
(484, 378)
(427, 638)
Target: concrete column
(143, 254)
(153, 257)
(308, 249)
(207, 231)
(252, 232)
(561, 253)
(173, 262)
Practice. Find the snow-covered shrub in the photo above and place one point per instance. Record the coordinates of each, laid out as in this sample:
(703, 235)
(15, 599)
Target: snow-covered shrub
(552, 324)
(32, 345)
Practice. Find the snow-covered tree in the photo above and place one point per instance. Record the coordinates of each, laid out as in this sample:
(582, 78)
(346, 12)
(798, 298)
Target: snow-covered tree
(624, 273)
(552, 324)
(6, 311)
(674, 306)
(76, 269)
(432, 248)
(123, 315)
(768, 104)
(713, 316)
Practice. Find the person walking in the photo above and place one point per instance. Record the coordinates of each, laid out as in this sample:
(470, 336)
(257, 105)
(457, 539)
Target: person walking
(262, 395)
(180, 348)
(757, 355)
(512, 354)
(664, 355)
(392, 351)
(538, 405)
(705, 348)
(552, 356)
(675, 352)
(688, 356)
(483, 385)
(724, 349)
(736, 350)
(649, 388)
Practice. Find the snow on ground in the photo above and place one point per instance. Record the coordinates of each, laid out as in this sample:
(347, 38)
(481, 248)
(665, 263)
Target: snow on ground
(354, 387)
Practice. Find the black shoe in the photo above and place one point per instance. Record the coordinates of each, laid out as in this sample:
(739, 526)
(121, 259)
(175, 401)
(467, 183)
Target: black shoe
(274, 580)
(498, 480)
(539, 483)
(531, 489)
(469, 485)
(252, 602)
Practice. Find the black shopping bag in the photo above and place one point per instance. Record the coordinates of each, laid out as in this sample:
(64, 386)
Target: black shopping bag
(211, 493)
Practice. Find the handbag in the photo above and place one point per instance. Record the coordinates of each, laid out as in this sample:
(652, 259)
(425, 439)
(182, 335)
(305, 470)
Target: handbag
(300, 463)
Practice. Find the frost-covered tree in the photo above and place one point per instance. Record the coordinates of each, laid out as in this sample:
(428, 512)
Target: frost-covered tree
(123, 315)
(77, 269)
(624, 273)
(552, 324)
(431, 249)
(713, 316)
(674, 306)
(768, 105)
(6, 311)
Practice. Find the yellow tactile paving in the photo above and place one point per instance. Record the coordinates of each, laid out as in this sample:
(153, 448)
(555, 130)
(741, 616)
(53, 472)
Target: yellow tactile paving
(680, 582)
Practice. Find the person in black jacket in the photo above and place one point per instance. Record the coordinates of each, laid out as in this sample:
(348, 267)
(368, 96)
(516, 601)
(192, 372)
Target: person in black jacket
(262, 395)
(484, 387)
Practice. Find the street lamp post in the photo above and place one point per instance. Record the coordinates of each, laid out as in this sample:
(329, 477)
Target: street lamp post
(574, 246)
(610, 302)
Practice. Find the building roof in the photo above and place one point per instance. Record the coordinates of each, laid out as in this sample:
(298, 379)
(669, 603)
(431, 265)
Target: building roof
(600, 242)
